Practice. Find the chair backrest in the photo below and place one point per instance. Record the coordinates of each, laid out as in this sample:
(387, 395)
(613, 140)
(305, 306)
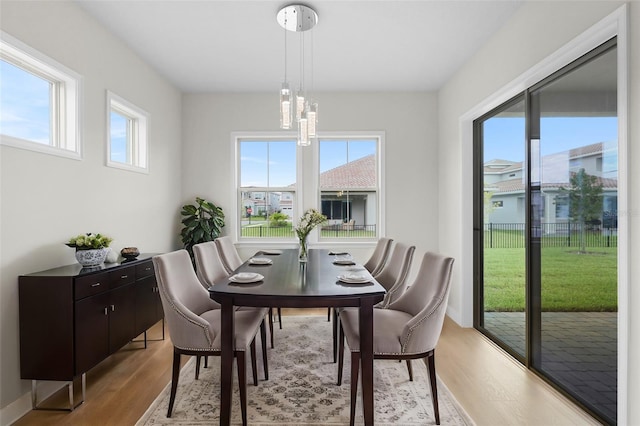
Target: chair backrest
(209, 266)
(183, 301)
(393, 276)
(379, 257)
(228, 253)
(426, 300)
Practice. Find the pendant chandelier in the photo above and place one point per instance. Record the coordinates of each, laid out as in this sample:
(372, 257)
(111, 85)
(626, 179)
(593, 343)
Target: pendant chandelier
(298, 18)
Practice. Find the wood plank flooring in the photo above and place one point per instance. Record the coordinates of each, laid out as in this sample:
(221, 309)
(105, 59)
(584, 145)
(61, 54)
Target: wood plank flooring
(492, 388)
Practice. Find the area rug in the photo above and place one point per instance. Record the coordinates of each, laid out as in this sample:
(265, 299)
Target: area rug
(302, 389)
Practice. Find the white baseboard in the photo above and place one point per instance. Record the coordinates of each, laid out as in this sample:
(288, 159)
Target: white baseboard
(22, 405)
(454, 314)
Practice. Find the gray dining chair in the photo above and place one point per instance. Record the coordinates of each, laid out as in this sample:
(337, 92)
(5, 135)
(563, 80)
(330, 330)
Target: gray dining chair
(408, 328)
(393, 277)
(377, 260)
(379, 256)
(210, 270)
(232, 261)
(193, 320)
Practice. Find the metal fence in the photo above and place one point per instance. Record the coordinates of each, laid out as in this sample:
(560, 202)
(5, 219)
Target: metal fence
(512, 235)
(286, 231)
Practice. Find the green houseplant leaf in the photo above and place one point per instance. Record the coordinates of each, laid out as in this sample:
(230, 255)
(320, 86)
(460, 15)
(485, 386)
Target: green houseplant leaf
(202, 222)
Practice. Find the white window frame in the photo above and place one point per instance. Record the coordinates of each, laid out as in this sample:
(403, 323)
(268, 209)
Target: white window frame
(307, 192)
(137, 140)
(65, 103)
(236, 138)
(379, 137)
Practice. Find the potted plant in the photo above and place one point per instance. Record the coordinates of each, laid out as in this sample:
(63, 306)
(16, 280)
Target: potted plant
(91, 249)
(202, 222)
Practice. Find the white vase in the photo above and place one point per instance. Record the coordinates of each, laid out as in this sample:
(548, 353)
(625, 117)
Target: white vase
(91, 257)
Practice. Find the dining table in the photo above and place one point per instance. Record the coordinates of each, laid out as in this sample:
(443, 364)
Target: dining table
(288, 282)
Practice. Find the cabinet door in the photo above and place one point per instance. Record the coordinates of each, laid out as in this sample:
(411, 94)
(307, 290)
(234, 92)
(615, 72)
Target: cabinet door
(121, 317)
(147, 300)
(92, 331)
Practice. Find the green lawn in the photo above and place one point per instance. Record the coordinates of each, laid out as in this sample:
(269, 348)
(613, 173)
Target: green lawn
(571, 281)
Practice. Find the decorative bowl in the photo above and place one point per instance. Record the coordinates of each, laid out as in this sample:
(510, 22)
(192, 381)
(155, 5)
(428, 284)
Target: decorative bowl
(130, 252)
(91, 257)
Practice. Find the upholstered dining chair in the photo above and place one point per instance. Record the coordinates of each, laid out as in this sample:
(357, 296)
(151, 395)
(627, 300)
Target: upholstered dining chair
(379, 256)
(210, 270)
(393, 277)
(377, 260)
(232, 260)
(394, 273)
(194, 322)
(408, 328)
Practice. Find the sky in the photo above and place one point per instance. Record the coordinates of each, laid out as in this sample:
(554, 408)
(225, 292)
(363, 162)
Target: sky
(504, 137)
(273, 163)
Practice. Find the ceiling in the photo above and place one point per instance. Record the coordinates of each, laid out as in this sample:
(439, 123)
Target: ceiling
(238, 46)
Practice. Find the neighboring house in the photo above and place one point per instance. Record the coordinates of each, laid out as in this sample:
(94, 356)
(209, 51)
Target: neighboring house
(503, 179)
(348, 192)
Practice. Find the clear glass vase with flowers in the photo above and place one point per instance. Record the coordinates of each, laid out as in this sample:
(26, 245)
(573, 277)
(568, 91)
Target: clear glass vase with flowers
(309, 220)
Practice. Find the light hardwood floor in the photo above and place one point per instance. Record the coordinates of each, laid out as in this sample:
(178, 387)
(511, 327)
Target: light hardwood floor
(493, 388)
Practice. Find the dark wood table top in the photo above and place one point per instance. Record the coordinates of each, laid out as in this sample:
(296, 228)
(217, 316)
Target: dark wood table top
(290, 283)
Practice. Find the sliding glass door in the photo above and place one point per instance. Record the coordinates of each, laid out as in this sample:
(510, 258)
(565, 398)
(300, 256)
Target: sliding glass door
(546, 229)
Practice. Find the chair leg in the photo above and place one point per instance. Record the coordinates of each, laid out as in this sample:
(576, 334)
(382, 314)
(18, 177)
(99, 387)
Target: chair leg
(174, 380)
(410, 370)
(271, 325)
(355, 369)
(242, 383)
(340, 356)
(431, 366)
(329, 315)
(336, 321)
(263, 338)
(254, 366)
(198, 359)
(280, 317)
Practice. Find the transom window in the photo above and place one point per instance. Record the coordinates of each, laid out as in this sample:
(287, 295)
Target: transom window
(39, 102)
(127, 135)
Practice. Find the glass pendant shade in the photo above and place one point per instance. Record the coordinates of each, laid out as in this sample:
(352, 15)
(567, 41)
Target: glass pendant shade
(311, 113)
(299, 106)
(286, 116)
(303, 133)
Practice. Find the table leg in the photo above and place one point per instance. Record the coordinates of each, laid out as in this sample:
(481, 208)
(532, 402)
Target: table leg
(226, 360)
(366, 357)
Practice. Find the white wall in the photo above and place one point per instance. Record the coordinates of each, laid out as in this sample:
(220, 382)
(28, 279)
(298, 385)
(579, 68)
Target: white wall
(409, 122)
(534, 33)
(47, 199)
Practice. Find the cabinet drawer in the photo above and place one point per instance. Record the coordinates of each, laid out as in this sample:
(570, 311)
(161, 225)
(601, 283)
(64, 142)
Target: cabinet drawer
(90, 285)
(144, 270)
(122, 276)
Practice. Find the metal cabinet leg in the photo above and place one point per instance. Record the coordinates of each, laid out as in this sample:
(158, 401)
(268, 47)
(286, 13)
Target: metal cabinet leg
(72, 405)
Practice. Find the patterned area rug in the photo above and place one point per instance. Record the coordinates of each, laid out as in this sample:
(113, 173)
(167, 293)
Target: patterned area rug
(302, 389)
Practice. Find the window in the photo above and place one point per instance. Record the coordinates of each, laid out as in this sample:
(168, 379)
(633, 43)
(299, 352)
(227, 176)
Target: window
(267, 191)
(39, 104)
(349, 187)
(271, 186)
(126, 135)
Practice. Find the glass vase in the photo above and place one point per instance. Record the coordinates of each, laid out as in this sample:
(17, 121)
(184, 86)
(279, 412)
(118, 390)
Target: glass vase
(303, 250)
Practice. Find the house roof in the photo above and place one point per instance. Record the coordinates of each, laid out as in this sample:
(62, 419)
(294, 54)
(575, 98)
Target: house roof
(516, 185)
(360, 173)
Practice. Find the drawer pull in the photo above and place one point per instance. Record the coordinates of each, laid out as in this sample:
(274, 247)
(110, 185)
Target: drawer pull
(95, 285)
(123, 277)
(147, 268)
(106, 312)
(113, 308)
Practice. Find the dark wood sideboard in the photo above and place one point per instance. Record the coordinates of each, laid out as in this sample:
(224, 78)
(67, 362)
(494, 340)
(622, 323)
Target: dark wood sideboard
(72, 318)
